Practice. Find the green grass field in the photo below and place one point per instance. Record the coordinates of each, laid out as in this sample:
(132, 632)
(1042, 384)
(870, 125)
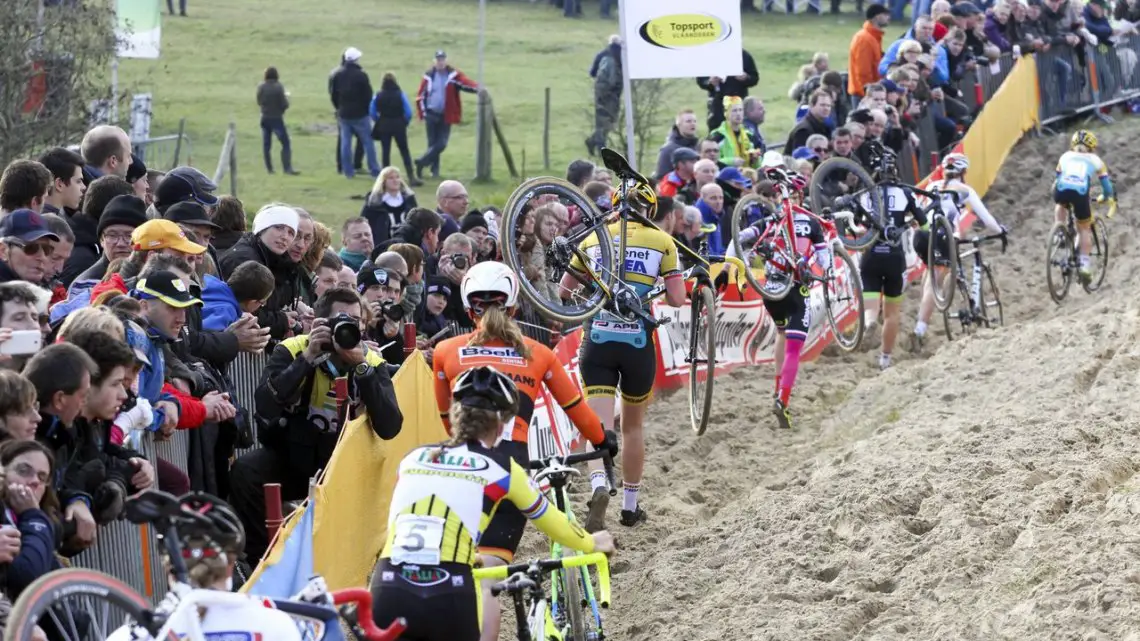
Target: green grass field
(213, 60)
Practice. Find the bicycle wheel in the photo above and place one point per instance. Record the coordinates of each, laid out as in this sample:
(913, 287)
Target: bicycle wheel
(844, 291)
(991, 300)
(702, 355)
(1098, 255)
(74, 604)
(941, 230)
(1060, 262)
(741, 220)
(571, 596)
(586, 233)
(832, 181)
(960, 321)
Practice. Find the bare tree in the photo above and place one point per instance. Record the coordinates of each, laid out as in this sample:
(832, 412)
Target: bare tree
(651, 99)
(53, 61)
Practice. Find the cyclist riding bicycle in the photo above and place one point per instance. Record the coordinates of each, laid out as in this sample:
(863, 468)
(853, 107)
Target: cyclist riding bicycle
(616, 352)
(445, 498)
(1075, 171)
(883, 265)
(210, 560)
(792, 315)
(954, 167)
(490, 294)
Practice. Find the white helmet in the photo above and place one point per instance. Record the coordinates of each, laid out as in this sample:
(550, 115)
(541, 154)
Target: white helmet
(490, 278)
(955, 164)
(772, 158)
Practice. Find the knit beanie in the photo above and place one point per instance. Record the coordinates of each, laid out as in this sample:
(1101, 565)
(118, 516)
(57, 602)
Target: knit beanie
(122, 210)
(271, 215)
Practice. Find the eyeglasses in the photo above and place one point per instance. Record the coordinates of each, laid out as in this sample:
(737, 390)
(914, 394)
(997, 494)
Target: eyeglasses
(111, 238)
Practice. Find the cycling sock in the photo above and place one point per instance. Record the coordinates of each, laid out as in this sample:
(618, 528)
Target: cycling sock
(920, 328)
(597, 480)
(791, 368)
(884, 360)
(869, 319)
(629, 496)
(1084, 258)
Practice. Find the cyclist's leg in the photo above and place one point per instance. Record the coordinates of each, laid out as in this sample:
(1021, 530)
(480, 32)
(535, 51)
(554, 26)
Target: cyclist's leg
(797, 322)
(500, 540)
(777, 310)
(1082, 210)
(638, 370)
(894, 284)
(870, 271)
(598, 370)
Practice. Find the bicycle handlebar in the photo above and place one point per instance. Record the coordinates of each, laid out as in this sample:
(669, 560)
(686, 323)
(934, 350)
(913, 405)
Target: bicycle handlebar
(362, 598)
(582, 457)
(536, 568)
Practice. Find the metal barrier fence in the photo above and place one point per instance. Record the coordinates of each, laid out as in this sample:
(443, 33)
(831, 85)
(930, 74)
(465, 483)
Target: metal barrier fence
(164, 152)
(1073, 81)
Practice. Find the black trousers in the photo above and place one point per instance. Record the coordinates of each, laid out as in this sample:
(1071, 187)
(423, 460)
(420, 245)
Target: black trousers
(248, 477)
(400, 136)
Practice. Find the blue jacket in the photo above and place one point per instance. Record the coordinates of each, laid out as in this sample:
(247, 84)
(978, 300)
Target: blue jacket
(152, 376)
(940, 75)
(37, 551)
(219, 305)
(710, 217)
(78, 297)
(374, 112)
(1099, 27)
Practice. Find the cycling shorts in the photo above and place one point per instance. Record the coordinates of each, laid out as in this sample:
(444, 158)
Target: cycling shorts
(883, 273)
(793, 314)
(439, 602)
(503, 533)
(606, 366)
(922, 244)
(1082, 208)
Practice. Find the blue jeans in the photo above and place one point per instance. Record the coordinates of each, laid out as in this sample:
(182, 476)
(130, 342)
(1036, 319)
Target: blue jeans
(1064, 72)
(438, 134)
(897, 7)
(276, 127)
(606, 4)
(921, 8)
(361, 128)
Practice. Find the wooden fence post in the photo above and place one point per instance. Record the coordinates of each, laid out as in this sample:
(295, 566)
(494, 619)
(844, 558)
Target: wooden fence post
(546, 132)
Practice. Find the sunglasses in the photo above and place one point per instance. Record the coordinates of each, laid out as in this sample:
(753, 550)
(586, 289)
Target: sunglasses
(819, 150)
(33, 249)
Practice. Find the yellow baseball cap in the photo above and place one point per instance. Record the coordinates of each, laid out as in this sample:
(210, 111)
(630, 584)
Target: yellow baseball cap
(163, 234)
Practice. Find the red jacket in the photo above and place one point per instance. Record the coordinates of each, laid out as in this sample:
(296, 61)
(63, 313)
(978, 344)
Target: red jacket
(193, 412)
(452, 107)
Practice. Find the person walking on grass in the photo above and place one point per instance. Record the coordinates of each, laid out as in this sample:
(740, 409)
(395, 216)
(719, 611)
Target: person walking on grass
(274, 101)
(391, 114)
(351, 94)
(606, 72)
(439, 106)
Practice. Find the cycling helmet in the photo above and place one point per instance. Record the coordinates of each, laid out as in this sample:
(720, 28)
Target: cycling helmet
(955, 164)
(489, 282)
(1084, 137)
(641, 196)
(797, 182)
(486, 388)
(227, 533)
(772, 158)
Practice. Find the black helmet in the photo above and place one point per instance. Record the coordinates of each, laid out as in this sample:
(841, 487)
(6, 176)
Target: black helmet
(227, 533)
(486, 388)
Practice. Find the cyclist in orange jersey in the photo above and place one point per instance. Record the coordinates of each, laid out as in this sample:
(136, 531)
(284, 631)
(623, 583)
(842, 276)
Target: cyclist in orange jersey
(490, 294)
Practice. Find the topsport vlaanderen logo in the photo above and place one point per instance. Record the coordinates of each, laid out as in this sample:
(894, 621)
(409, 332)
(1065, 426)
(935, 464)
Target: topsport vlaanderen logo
(683, 30)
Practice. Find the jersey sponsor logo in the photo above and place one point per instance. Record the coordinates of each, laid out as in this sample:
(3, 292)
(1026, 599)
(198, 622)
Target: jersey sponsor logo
(523, 380)
(802, 228)
(424, 577)
(453, 461)
(505, 355)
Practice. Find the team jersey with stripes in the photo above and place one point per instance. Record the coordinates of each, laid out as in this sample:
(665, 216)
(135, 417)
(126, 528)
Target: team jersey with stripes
(444, 499)
(456, 355)
(1076, 170)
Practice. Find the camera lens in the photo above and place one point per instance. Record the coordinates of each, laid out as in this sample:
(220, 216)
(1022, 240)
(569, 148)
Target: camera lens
(346, 334)
(460, 261)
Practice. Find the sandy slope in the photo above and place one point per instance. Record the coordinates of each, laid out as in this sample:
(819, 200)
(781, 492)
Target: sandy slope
(982, 490)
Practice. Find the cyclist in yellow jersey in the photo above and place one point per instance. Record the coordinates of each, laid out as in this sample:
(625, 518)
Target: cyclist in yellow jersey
(1075, 171)
(617, 352)
(444, 498)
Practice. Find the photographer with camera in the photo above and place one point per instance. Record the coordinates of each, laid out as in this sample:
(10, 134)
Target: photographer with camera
(381, 288)
(298, 419)
(456, 255)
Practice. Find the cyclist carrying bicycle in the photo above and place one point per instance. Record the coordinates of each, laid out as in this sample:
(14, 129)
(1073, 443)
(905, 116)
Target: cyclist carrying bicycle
(792, 315)
(1075, 171)
(956, 193)
(617, 352)
(883, 265)
(210, 558)
(445, 498)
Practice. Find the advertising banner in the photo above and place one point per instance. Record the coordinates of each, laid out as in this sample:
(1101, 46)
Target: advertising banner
(138, 28)
(682, 38)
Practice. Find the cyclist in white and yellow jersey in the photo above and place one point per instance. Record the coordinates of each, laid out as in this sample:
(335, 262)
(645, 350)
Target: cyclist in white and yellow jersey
(1075, 171)
(957, 196)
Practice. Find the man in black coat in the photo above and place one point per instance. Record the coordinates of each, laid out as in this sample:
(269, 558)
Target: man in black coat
(815, 122)
(351, 93)
(718, 88)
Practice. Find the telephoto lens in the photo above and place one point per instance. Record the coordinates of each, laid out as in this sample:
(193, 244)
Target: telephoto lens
(345, 331)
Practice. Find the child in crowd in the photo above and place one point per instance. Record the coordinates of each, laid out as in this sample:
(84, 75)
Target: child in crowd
(246, 290)
(438, 292)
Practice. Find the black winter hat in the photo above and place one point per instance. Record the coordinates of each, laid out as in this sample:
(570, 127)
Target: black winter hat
(473, 220)
(123, 210)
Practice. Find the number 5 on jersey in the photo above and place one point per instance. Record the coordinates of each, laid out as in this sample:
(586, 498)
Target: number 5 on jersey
(417, 539)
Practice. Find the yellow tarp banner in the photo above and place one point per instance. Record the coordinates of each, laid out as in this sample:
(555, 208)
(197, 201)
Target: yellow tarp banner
(1010, 112)
(351, 518)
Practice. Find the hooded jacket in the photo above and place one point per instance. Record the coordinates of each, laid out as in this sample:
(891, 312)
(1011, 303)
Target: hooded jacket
(674, 141)
(287, 286)
(220, 307)
(87, 249)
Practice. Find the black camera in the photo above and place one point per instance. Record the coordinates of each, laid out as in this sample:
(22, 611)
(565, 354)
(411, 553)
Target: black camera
(345, 332)
(393, 311)
(459, 261)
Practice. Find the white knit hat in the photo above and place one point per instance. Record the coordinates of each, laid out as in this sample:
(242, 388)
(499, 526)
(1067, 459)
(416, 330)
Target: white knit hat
(271, 215)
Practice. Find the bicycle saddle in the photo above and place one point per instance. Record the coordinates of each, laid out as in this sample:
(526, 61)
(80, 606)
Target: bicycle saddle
(150, 506)
(617, 163)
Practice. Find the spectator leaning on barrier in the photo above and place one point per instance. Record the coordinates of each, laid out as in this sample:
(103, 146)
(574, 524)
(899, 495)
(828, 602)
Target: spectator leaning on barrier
(67, 187)
(439, 106)
(274, 231)
(815, 122)
(351, 93)
(607, 74)
(356, 242)
(25, 184)
(1095, 15)
(107, 150)
(711, 206)
(298, 424)
(866, 51)
(720, 88)
(682, 135)
(680, 183)
(414, 282)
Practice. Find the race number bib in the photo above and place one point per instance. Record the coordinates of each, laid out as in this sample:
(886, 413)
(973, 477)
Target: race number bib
(1074, 173)
(417, 539)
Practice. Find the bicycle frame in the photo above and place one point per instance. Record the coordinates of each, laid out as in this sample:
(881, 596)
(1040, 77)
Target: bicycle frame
(973, 289)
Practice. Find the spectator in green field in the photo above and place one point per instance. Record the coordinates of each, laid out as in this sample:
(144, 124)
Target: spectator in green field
(274, 101)
(607, 74)
(439, 106)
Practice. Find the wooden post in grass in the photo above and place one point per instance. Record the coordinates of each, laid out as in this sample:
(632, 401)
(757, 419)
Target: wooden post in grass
(503, 145)
(178, 143)
(233, 159)
(546, 132)
(483, 138)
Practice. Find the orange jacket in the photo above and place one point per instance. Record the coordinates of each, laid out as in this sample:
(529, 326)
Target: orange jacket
(866, 52)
